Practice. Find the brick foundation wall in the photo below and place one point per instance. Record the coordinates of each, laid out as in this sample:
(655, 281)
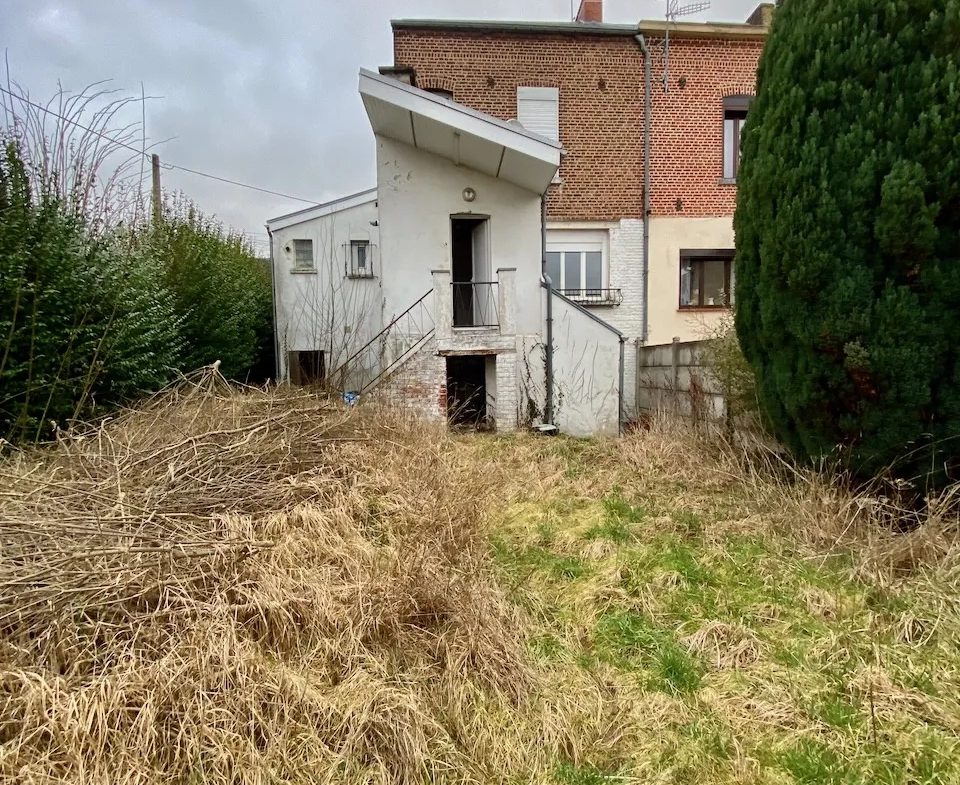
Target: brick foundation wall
(601, 110)
(420, 383)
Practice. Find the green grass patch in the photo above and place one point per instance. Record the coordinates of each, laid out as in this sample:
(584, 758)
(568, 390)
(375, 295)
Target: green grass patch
(632, 642)
(568, 774)
(811, 763)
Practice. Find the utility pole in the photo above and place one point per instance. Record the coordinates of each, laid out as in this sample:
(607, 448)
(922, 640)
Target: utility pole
(157, 195)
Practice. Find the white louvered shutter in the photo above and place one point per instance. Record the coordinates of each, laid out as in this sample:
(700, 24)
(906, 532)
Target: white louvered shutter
(538, 110)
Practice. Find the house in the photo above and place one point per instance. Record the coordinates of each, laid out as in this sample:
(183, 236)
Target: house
(510, 154)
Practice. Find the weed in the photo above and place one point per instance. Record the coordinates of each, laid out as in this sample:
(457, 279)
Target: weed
(689, 523)
(812, 763)
(568, 774)
(619, 509)
(632, 642)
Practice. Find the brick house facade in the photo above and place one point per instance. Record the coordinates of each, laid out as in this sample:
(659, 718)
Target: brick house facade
(598, 70)
(600, 79)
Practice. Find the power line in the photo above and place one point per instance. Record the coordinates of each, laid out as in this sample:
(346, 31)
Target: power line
(141, 152)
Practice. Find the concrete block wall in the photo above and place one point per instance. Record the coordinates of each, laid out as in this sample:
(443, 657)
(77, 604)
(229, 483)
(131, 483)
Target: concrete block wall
(673, 378)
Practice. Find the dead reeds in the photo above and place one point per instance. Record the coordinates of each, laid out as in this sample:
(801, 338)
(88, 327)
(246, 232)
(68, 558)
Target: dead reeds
(252, 587)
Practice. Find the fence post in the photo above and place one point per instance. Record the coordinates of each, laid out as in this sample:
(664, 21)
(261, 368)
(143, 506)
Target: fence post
(675, 373)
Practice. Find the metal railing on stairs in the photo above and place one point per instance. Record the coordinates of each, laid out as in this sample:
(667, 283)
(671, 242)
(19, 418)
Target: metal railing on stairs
(383, 353)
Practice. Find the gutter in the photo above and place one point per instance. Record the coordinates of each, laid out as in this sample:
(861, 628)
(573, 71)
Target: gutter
(696, 30)
(276, 326)
(647, 111)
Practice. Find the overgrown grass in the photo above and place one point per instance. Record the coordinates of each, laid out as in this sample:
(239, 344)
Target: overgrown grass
(266, 587)
(791, 632)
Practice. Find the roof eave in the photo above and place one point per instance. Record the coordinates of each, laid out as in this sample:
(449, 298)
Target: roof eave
(701, 30)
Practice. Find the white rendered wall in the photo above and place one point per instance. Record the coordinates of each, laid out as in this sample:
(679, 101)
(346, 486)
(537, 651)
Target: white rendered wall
(418, 194)
(323, 309)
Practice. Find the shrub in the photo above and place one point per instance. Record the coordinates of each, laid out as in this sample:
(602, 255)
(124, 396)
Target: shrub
(721, 353)
(222, 291)
(83, 322)
(848, 233)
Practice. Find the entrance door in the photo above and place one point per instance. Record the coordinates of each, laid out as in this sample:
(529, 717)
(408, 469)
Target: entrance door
(484, 302)
(470, 244)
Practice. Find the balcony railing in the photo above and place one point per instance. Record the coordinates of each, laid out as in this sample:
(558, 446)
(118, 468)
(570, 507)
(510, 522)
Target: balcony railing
(475, 304)
(593, 296)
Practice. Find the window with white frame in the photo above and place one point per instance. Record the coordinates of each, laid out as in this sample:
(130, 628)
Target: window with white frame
(575, 262)
(361, 259)
(303, 254)
(538, 110)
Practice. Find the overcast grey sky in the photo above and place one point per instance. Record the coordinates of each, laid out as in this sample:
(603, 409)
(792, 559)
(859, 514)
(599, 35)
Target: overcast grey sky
(260, 91)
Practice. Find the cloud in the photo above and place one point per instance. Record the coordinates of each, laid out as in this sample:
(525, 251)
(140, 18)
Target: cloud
(258, 91)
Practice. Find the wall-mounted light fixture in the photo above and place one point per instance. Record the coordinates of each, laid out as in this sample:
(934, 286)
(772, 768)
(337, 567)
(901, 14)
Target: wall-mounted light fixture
(469, 194)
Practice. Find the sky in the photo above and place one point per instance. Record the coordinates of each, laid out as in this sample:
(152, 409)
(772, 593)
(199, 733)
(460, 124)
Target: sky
(263, 92)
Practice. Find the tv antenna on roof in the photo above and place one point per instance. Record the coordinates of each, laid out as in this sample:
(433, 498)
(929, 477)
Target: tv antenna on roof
(674, 12)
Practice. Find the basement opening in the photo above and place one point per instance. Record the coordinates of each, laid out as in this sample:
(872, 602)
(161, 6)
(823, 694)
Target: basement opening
(467, 391)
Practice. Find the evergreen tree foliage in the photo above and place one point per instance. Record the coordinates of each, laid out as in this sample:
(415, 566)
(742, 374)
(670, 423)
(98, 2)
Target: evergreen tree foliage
(223, 292)
(84, 323)
(848, 233)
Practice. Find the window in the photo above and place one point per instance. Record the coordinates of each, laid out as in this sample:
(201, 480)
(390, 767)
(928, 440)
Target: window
(303, 254)
(575, 272)
(734, 116)
(575, 264)
(538, 110)
(361, 262)
(440, 92)
(706, 278)
(305, 367)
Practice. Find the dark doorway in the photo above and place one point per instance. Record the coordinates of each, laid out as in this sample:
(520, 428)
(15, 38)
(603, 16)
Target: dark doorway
(470, 267)
(305, 367)
(467, 391)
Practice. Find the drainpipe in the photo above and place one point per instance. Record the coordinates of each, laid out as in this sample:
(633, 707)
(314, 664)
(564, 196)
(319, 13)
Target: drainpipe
(276, 326)
(623, 342)
(548, 361)
(647, 107)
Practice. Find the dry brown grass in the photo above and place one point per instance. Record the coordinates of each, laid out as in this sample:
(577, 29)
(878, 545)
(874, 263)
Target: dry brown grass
(256, 587)
(265, 587)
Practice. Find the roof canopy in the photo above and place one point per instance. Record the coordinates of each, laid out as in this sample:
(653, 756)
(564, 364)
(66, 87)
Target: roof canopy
(468, 138)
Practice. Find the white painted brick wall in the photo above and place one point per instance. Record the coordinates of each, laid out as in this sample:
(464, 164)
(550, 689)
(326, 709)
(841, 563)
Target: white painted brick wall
(626, 274)
(507, 392)
(419, 383)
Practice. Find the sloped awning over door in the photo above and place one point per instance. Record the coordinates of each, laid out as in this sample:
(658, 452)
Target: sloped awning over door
(504, 150)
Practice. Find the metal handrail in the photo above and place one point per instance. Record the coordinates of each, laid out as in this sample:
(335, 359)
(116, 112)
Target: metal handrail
(379, 342)
(596, 296)
(475, 304)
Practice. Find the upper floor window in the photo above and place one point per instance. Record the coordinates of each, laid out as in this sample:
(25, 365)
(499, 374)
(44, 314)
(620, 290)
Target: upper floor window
(538, 110)
(303, 254)
(361, 261)
(706, 278)
(734, 116)
(440, 91)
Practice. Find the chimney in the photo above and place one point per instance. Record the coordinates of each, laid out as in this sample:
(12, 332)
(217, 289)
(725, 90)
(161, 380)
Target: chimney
(590, 11)
(763, 16)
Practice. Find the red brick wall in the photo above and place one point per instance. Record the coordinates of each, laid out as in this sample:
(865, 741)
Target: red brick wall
(687, 126)
(601, 125)
(601, 110)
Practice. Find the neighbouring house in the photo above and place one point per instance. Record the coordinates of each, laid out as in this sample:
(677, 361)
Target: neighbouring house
(510, 154)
